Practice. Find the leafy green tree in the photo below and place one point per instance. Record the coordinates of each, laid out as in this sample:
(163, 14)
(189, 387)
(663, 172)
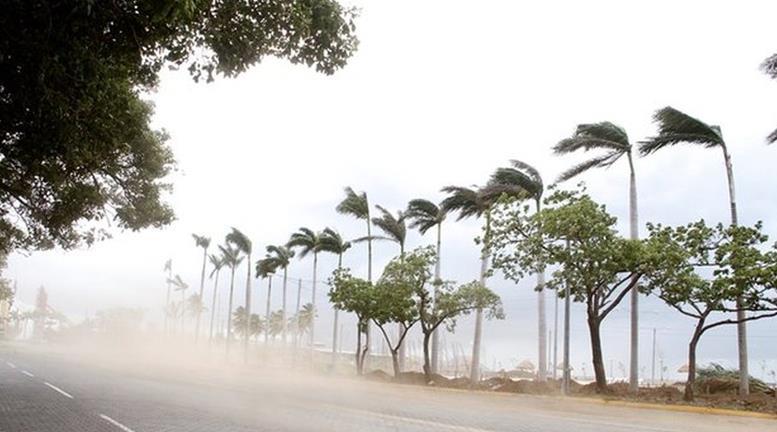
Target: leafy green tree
(217, 262)
(706, 273)
(675, 127)
(308, 241)
(278, 257)
(614, 142)
(204, 243)
(355, 295)
(525, 182)
(577, 236)
(332, 242)
(243, 243)
(423, 216)
(232, 259)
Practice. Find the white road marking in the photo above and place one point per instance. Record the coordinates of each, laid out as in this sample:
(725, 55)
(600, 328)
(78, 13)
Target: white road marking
(28, 373)
(13, 366)
(115, 423)
(53, 387)
(433, 425)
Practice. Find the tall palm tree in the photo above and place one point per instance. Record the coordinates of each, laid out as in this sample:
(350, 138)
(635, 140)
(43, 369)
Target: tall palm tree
(358, 206)
(308, 241)
(232, 259)
(395, 230)
(204, 243)
(265, 269)
(423, 216)
(217, 262)
(614, 142)
(280, 257)
(332, 242)
(243, 243)
(526, 182)
(181, 286)
(675, 127)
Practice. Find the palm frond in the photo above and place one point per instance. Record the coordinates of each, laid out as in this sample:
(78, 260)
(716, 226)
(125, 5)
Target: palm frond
(230, 255)
(201, 241)
(424, 215)
(515, 182)
(332, 242)
(527, 169)
(769, 66)
(240, 240)
(266, 267)
(593, 136)
(467, 202)
(354, 204)
(772, 138)
(306, 240)
(370, 238)
(217, 262)
(676, 127)
(597, 162)
(393, 226)
(281, 254)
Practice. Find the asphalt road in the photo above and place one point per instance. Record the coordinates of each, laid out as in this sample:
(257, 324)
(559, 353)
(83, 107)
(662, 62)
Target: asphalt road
(42, 392)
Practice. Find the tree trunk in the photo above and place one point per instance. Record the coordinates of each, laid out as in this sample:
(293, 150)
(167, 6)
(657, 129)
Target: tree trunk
(596, 354)
(634, 234)
(213, 305)
(368, 329)
(313, 302)
(247, 308)
(744, 374)
(284, 327)
(359, 358)
(435, 365)
(267, 311)
(555, 335)
(542, 349)
(689, 383)
(474, 374)
(229, 311)
(336, 320)
(297, 338)
(395, 362)
(428, 362)
(202, 289)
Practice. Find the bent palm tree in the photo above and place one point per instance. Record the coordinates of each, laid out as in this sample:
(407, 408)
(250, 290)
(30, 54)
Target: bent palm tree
(614, 141)
(204, 243)
(526, 181)
(265, 269)
(308, 242)
(332, 242)
(243, 243)
(675, 127)
(769, 66)
(280, 257)
(423, 216)
(232, 259)
(217, 262)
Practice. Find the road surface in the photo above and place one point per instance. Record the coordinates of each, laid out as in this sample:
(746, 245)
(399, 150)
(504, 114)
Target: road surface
(42, 392)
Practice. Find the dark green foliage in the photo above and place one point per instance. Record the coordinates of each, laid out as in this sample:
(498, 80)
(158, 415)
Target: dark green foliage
(76, 146)
(306, 240)
(424, 215)
(675, 127)
(331, 241)
(519, 181)
(466, 201)
(277, 257)
(393, 226)
(596, 136)
(354, 204)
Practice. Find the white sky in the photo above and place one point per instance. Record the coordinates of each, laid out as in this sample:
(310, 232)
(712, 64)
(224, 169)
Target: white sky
(439, 93)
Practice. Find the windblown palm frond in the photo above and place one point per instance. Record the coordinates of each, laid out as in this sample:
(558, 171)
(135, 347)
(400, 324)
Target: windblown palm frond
(467, 202)
(265, 267)
(521, 183)
(676, 127)
(230, 256)
(354, 204)
(393, 226)
(217, 262)
(306, 240)
(240, 240)
(332, 242)
(178, 283)
(201, 241)
(276, 257)
(594, 136)
(424, 215)
(769, 66)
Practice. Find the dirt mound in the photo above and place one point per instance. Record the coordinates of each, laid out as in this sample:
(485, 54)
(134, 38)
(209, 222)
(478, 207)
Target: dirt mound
(378, 375)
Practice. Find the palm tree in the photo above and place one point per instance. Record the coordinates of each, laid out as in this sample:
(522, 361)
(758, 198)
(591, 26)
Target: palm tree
(232, 259)
(308, 241)
(769, 67)
(280, 257)
(423, 216)
(675, 127)
(181, 286)
(614, 142)
(527, 183)
(265, 269)
(204, 243)
(217, 262)
(243, 243)
(332, 242)
(358, 206)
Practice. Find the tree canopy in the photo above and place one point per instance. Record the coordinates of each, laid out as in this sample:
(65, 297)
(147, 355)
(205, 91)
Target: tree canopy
(76, 145)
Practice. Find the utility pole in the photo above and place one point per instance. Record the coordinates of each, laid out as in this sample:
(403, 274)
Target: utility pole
(653, 366)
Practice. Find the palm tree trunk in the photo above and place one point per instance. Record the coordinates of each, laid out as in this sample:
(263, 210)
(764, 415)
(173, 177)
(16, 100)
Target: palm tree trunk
(542, 348)
(313, 302)
(167, 301)
(334, 331)
(435, 362)
(183, 311)
(744, 374)
(555, 335)
(247, 307)
(267, 311)
(284, 327)
(368, 330)
(566, 378)
(202, 289)
(474, 374)
(229, 311)
(402, 351)
(296, 314)
(634, 231)
(213, 305)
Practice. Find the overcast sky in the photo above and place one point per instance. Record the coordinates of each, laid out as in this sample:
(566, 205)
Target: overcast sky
(440, 93)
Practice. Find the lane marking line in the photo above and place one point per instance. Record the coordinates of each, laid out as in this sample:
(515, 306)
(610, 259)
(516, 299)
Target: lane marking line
(13, 366)
(28, 374)
(55, 388)
(432, 424)
(115, 423)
